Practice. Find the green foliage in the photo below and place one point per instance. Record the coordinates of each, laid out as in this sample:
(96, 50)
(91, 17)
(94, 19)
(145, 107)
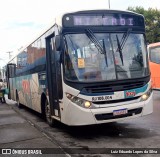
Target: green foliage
(152, 21)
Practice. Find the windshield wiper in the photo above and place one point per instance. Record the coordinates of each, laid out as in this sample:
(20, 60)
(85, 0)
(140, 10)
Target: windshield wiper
(100, 48)
(119, 49)
(122, 43)
(125, 37)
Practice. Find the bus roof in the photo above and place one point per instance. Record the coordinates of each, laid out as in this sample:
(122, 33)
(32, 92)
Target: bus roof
(104, 10)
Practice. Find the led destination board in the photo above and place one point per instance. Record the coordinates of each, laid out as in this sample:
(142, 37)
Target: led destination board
(103, 20)
(99, 20)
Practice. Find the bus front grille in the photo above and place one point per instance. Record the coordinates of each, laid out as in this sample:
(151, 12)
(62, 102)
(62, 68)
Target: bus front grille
(113, 87)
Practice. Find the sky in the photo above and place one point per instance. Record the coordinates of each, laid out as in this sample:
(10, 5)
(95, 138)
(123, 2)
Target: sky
(22, 20)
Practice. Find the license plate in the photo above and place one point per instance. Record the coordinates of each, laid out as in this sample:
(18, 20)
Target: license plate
(1, 94)
(120, 112)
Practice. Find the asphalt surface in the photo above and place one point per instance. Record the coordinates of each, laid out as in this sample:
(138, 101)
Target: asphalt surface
(142, 132)
(17, 132)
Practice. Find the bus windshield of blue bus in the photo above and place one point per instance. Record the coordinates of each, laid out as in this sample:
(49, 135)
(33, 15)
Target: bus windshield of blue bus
(86, 63)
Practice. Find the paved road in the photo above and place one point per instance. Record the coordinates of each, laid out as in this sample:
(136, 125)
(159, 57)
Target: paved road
(143, 132)
(17, 132)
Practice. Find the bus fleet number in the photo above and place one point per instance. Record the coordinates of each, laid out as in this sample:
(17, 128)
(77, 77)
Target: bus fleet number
(102, 98)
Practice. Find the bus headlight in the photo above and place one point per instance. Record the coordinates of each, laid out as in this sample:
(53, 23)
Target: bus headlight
(81, 102)
(87, 104)
(145, 96)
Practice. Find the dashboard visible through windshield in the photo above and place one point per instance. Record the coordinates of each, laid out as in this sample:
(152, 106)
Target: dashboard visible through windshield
(93, 57)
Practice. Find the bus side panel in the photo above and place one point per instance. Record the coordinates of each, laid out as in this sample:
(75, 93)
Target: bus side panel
(29, 91)
(24, 90)
(36, 91)
(155, 75)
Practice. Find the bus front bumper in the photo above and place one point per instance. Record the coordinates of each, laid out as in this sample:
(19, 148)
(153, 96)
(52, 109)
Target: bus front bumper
(80, 116)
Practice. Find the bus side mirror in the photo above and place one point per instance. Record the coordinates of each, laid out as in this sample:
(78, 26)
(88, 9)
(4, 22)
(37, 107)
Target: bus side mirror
(58, 42)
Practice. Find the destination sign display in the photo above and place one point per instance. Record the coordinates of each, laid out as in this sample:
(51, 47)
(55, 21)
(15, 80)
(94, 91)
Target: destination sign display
(103, 20)
(106, 21)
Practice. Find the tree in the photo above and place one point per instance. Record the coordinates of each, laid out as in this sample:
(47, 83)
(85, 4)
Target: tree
(152, 21)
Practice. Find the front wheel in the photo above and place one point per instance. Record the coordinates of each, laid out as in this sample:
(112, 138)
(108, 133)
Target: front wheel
(49, 120)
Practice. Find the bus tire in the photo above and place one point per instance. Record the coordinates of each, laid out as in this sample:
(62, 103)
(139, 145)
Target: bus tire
(49, 120)
(17, 100)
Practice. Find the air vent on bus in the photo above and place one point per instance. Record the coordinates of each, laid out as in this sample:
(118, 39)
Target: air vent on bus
(113, 87)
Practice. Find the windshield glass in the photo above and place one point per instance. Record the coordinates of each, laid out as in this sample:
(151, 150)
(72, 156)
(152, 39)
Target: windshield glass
(122, 56)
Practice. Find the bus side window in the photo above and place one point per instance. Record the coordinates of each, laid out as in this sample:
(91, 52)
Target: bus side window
(155, 56)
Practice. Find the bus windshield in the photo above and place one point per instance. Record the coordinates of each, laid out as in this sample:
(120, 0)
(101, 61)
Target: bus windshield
(120, 57)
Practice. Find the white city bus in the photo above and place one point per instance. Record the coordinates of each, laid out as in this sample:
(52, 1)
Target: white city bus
(89, 68)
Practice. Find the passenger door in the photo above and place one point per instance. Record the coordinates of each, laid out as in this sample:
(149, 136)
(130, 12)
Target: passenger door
(52, 85)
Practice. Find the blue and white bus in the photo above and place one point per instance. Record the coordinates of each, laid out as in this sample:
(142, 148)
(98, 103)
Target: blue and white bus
(90, 67)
